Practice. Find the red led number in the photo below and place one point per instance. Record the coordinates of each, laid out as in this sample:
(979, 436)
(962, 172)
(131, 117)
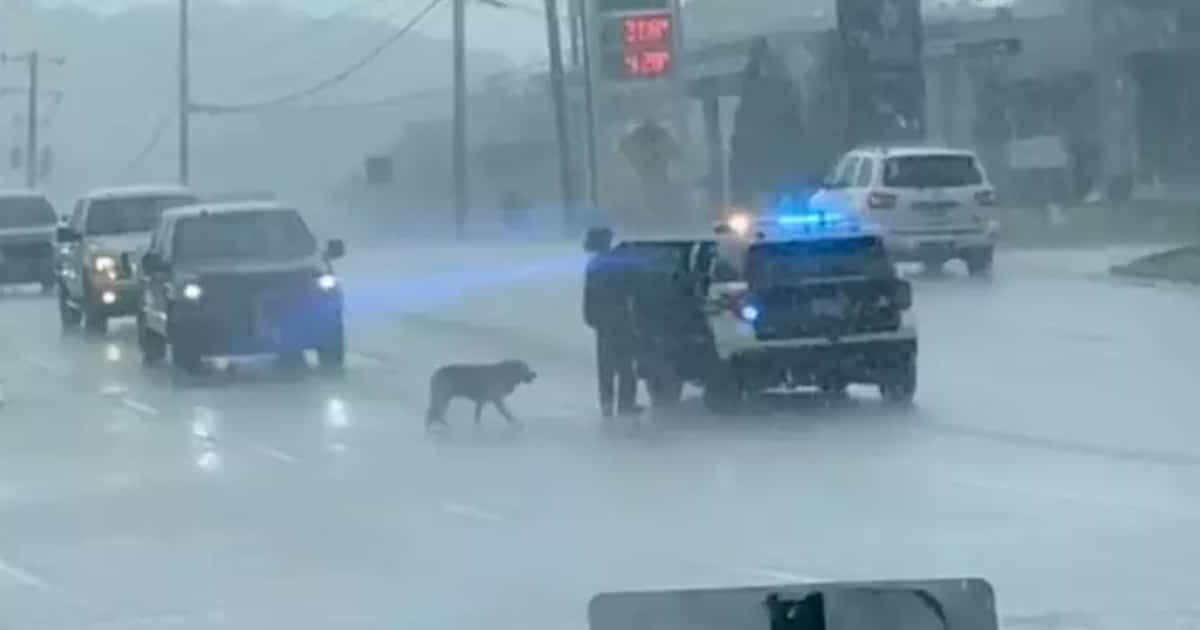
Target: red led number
(654, 29)
(647, 63)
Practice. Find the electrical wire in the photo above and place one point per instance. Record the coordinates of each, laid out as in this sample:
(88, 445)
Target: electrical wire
(407, 97)
(155, 137)
(326, 83)
(274, 43)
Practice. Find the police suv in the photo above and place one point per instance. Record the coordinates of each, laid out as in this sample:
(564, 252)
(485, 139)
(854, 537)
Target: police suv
(790, 301)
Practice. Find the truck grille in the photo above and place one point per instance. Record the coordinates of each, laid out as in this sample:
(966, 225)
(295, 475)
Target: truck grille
(826, 309)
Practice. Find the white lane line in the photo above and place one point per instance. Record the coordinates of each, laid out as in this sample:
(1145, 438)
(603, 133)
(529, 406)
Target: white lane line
(1063, 496)
(23, 576)
(470, 511)
(54, 367)
(113, 390)
(139, 406)
(275, 453)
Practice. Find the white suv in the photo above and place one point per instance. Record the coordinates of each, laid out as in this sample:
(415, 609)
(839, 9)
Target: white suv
(928, 201)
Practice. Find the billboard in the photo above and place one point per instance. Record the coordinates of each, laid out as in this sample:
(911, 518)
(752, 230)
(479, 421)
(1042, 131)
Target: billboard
(882, 43)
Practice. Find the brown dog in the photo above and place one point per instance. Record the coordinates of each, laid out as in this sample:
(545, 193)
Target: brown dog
(481, 384)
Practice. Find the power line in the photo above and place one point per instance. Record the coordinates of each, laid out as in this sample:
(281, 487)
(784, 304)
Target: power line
(327, 82)
(416, 95)
(264, 49)
(155, 136)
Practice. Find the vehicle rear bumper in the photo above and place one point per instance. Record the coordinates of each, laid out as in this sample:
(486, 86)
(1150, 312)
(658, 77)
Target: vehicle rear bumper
(212, 332)
(22, 270)
(910, 246)
(861, 359)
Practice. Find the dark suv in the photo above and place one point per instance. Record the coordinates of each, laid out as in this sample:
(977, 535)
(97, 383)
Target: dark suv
(239, 279)
(100, 245)
(27, 230)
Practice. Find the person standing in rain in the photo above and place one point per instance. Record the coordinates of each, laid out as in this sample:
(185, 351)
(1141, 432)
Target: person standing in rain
(606, 310)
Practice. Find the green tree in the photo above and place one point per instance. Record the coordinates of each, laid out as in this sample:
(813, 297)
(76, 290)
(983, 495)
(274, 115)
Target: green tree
(767, 150)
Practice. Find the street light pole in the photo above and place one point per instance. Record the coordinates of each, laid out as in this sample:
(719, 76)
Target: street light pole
(461, 196)
(184, 95)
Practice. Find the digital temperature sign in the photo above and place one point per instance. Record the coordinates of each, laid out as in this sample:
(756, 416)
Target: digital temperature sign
(638, 46)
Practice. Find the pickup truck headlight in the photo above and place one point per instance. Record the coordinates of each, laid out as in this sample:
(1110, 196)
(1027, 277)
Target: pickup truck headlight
(327, 281)
(192, 291)
(103, 264)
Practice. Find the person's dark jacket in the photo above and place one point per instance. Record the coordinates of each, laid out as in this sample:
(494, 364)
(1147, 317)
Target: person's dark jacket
(606, 296)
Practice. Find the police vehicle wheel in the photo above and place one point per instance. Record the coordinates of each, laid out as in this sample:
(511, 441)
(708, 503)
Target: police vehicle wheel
(332, 357)
(665, 390)
(979, 263)
(899, 385)
(67, 314)
(723, 394)
(152, 344)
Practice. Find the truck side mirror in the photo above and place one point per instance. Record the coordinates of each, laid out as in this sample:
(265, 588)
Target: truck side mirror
(598, 239)
(335, 249)
(153, 263)
(66, 234)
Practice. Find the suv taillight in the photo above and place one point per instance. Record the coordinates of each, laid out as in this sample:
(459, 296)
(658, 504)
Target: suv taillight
(877, 200)
(986, 197)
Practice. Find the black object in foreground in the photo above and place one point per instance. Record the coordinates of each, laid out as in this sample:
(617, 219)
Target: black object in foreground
(954, 604)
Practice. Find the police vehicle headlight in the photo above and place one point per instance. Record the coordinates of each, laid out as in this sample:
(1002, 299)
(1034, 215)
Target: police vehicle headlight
(739, 223)
(192, 291)
(327, 281)
(104, 264)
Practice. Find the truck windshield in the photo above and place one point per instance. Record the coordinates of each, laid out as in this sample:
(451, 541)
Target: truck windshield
(259, 235)
(130, 214)
(25, 212)
(793, 261)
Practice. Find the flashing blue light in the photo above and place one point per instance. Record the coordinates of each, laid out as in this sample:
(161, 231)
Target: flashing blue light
(749, 312)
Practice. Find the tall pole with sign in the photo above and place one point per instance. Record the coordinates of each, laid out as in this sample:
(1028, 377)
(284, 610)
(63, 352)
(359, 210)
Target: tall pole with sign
(635, 44)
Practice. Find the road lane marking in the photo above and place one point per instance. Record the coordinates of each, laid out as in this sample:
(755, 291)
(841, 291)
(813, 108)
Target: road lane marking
(23, 576)
(1065, 496)
(113, 390)
(470, 511)
(275, 453)
(139, 406)
(54, 367)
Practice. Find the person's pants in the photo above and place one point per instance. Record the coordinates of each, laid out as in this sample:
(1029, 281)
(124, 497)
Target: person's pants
(614, 367)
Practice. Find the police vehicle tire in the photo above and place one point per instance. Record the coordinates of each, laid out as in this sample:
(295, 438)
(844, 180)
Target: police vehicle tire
(979, 263)
(899, 385)
(723, 394)
(152, 344)
(332, 357)
(67, 314)
(666, 390)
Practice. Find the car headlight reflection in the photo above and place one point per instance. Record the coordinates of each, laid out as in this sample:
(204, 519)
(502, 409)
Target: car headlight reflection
(739, 223)
(104, 264)
(192, 291)
(327, 281)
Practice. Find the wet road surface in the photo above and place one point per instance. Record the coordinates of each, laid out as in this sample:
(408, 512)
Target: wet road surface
(1055, 450)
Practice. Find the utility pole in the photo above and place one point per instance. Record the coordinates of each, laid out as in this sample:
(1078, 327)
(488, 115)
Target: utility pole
(589, 98)
(461, 197)
(185, 105)
(33, 60)
(565, 182)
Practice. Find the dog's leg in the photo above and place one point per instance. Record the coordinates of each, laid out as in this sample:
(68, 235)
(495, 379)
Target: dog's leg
(500, 406)
(478, 411)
